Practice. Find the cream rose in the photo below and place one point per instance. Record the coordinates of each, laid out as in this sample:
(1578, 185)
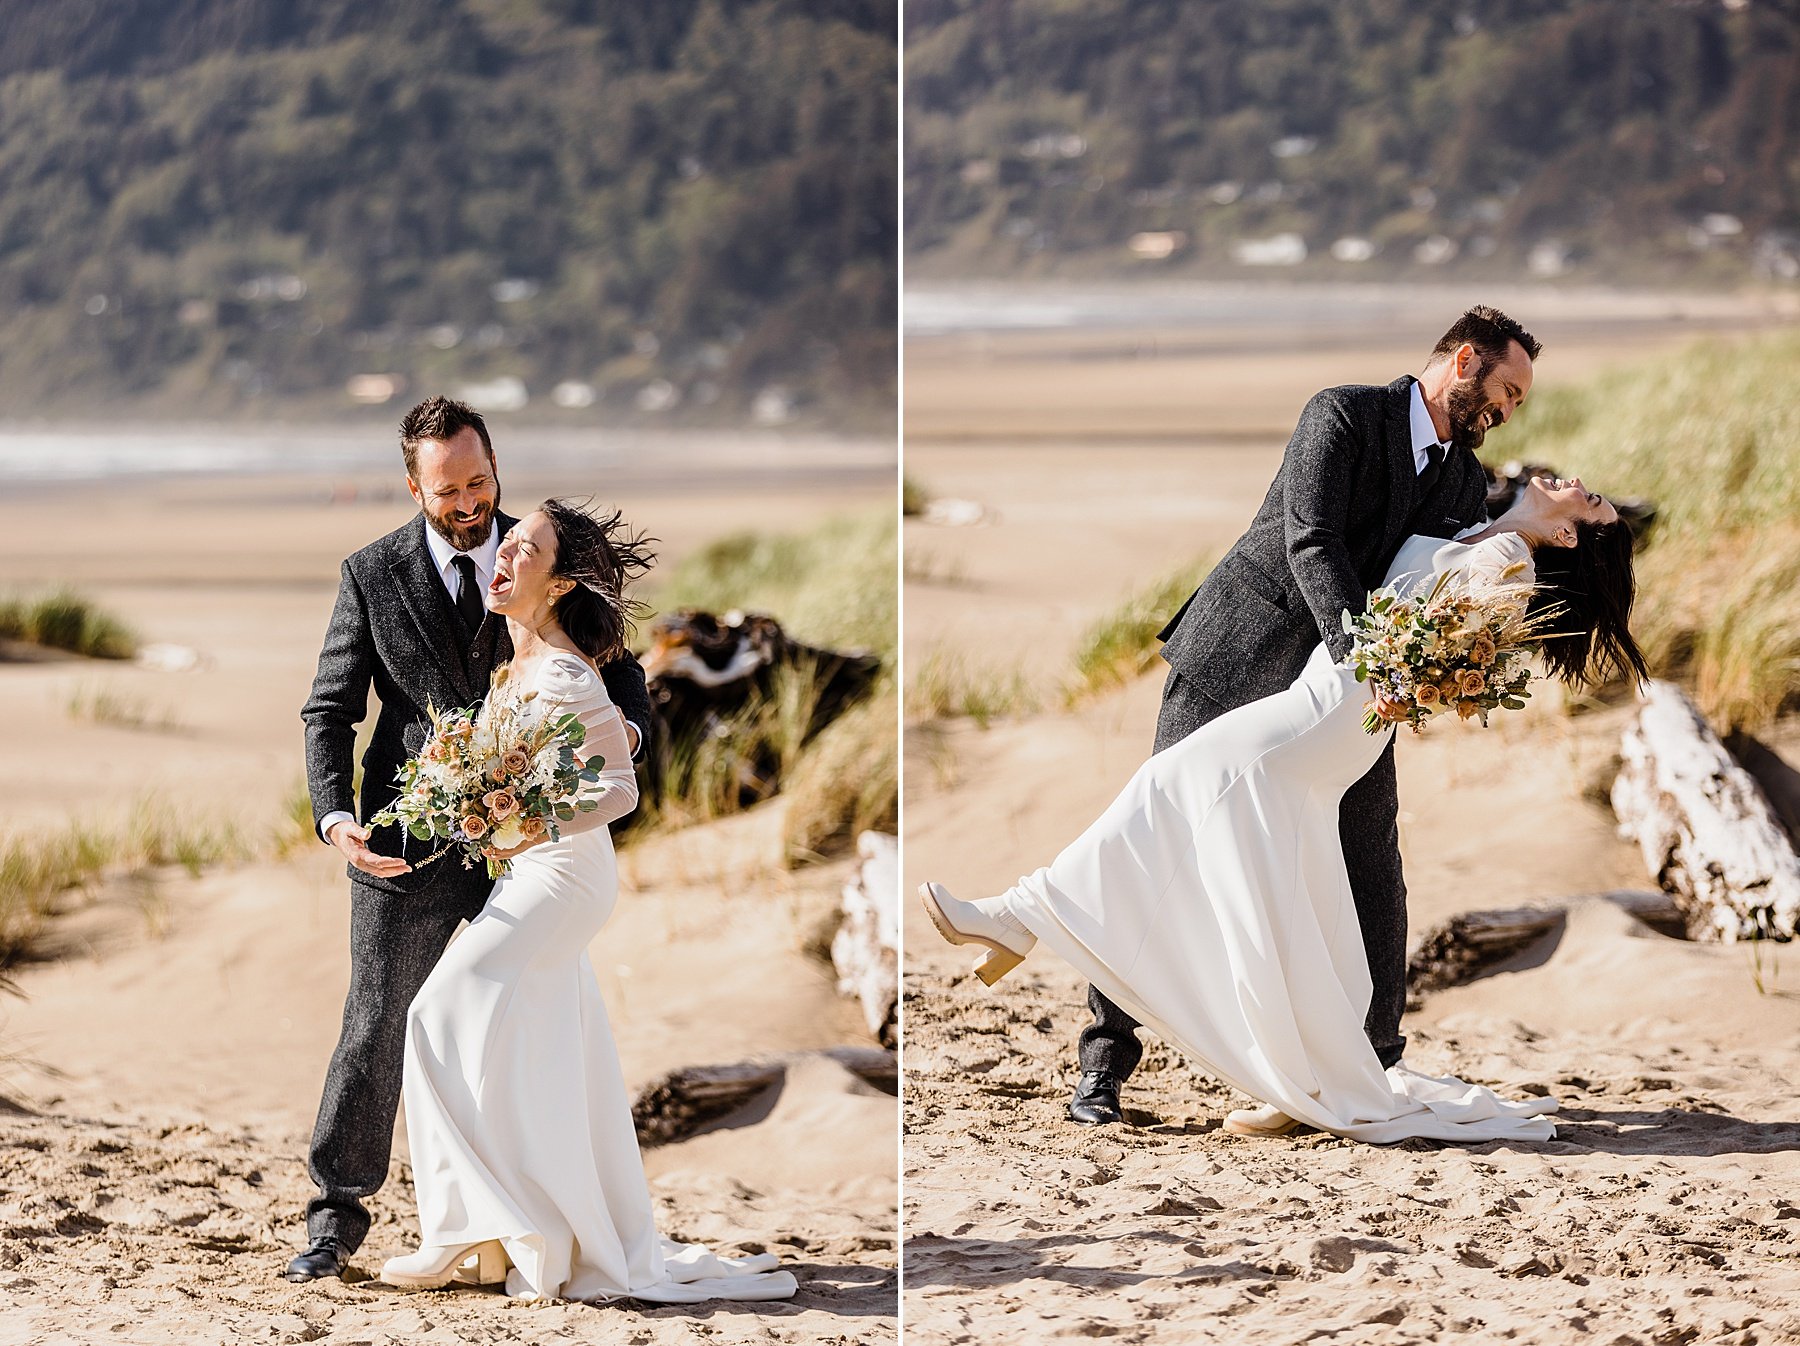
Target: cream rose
(509, 834)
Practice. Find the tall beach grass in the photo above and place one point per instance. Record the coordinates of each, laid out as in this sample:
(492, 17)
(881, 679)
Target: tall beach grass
(39, 869)
(64, 620)
(1122, 645)
(1711, 435)
(835, 586)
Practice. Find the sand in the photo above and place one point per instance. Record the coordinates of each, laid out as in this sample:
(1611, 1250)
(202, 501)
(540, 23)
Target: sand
(1665, 1211)
(166, 1055)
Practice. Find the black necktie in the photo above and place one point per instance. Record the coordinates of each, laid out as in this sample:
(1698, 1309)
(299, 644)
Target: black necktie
(1434, 466)
(468, 595)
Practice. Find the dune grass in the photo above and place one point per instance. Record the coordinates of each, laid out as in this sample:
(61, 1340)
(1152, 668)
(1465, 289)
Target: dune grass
(946, 685)
(64, 620)
(105, 705)
(913, 496)
(1711, 435)
(835, 586)
(1121, 646)
(39, 869)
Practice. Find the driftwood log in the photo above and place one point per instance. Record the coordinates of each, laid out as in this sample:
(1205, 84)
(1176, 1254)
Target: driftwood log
(683, 1101)
(866, 949)
(1467, 945)
(1703, 825)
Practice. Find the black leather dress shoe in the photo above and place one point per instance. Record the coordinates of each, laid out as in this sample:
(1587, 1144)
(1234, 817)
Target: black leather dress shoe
(1096, 1099)
(325, 1258)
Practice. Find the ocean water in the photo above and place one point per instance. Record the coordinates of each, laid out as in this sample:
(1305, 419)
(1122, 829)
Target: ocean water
(49, 456)
(939, 309)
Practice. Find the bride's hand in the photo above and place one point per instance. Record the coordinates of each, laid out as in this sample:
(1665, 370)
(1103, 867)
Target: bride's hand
(1391, 711)
(511, 851)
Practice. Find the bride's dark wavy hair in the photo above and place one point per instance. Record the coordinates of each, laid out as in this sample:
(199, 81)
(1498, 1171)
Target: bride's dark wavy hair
(601, 553)
(1584, 594)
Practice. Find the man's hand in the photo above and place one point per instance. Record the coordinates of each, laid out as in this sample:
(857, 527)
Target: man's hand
(352, 840)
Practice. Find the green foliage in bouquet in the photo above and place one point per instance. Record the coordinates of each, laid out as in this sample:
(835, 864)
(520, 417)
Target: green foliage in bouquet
(1450, 650)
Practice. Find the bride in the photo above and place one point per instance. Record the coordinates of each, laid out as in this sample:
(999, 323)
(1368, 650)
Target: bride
(1210, 899)
(523, 1149)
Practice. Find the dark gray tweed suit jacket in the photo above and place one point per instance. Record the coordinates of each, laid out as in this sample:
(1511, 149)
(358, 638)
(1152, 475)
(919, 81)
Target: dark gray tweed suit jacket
(1346, 497)
(395, 628)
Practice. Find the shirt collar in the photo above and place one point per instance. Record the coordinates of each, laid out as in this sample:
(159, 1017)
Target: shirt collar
(442, 553)
(1424, 433)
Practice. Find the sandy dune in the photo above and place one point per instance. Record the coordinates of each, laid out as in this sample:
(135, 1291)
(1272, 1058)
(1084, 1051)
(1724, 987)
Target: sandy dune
(1663, 1212)
(170, 1043)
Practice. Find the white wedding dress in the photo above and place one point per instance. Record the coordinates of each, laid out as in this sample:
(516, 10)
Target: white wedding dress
(1210, 901)
(516, 1111)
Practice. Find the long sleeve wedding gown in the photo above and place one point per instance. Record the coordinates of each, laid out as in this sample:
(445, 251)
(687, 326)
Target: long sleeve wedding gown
(1210, 901)
(516, 1111)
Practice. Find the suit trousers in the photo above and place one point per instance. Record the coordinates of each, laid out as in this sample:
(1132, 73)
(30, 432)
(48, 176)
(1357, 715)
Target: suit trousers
(1368, 824)
(395, 941)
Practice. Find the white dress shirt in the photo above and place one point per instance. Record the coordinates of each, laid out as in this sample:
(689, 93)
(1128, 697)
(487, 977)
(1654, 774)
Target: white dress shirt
(1424, 433)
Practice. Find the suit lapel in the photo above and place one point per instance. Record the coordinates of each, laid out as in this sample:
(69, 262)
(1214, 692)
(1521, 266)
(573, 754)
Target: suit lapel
(1403, 475)
(428, 604)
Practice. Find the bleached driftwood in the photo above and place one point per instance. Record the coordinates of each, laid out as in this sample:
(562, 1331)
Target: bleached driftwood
(684, 1100)
(1467, 945)
(1705, 829)
(865, 951)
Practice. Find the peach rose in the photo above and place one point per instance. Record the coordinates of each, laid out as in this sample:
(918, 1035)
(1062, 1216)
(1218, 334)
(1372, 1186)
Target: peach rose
(436, 751)
(501, 804)
(1427, 694)
(1467, 710)
(1482, 652)
(474, 826)
(533, 828)
(517, 762)
(1470, 682)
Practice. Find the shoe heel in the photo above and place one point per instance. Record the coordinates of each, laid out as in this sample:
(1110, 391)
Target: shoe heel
(996, 963)
(490, 1264)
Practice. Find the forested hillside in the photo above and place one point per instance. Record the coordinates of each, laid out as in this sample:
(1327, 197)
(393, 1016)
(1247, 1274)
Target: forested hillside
(682, 210)
(1654, 140)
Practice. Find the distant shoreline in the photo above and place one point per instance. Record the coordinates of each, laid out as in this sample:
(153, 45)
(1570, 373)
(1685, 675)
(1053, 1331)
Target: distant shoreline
(46, 458)
(938, 308)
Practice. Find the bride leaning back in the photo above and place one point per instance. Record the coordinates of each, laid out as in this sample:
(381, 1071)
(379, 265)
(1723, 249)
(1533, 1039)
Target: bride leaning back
(1210, 900)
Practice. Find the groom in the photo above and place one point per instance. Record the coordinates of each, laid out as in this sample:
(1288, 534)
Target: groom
(1367, 468)
(410, 622)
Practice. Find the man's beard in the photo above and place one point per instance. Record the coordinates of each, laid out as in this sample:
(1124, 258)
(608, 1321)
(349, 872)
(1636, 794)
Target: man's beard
(1467, 409)
(473, 535)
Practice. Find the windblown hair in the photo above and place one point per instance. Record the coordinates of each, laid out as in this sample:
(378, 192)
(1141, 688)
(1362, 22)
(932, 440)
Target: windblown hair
(1489, 331)
(439, 418)
(1584, 593)
(601, 553)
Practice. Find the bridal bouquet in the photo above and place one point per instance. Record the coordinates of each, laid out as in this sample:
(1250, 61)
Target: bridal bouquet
(494, 776)
(1448, 650)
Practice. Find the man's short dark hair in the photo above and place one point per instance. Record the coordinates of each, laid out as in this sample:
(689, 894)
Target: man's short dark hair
(1489, 331)
(439, 418)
